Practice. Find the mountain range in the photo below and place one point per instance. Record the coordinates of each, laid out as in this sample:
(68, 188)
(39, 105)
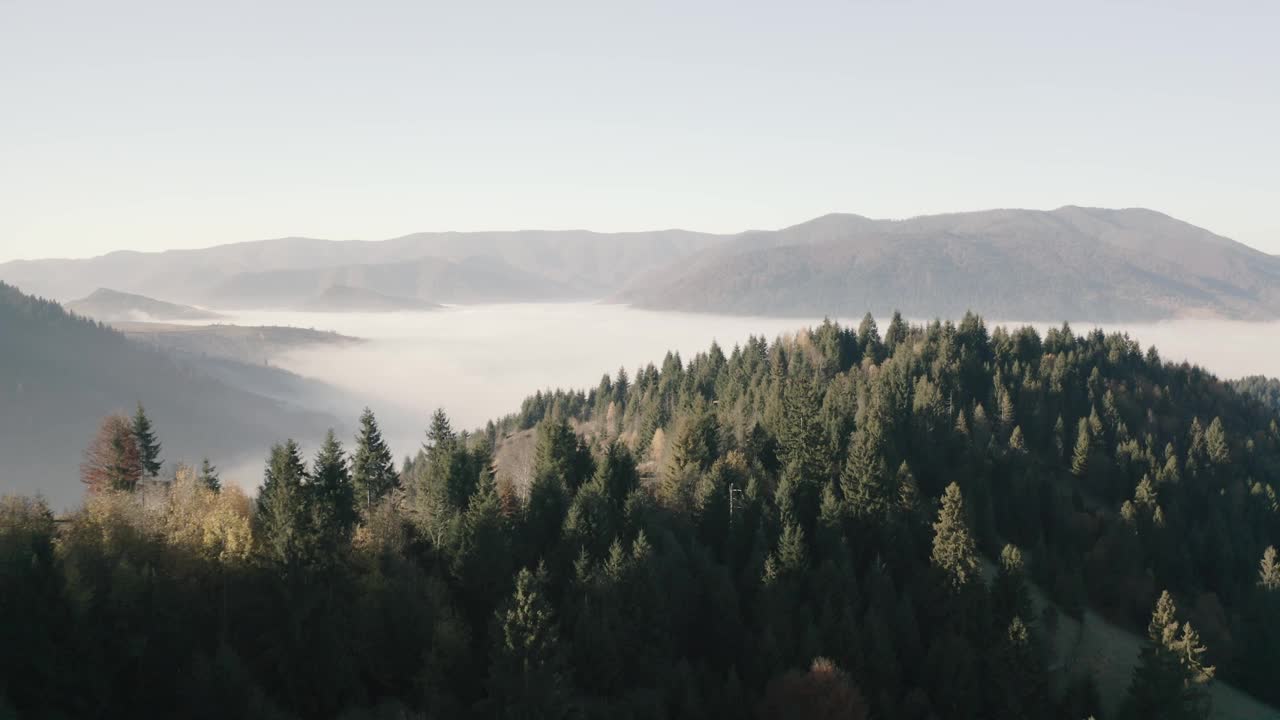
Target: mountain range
(1072, 263)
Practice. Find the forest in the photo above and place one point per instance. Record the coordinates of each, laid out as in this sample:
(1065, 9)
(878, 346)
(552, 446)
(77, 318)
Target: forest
(841, 523)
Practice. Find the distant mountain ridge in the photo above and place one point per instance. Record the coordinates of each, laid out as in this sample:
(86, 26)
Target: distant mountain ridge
(114, 306)
(1070, 263)
(446, 267)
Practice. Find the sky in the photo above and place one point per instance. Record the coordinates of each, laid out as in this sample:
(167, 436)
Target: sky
(161, 124)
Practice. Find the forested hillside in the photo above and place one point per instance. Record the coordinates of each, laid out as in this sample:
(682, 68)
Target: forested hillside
(60, 373)
(797, 529)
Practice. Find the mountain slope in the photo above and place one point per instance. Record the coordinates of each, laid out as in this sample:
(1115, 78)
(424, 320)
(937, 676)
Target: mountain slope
(60, 374)
(1076, 263)
(111, 305)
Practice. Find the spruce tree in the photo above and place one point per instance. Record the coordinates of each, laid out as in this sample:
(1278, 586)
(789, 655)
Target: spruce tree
(373, 470)
(1215, 441)
(1080, 455)
(148, 445)
(283, 519)
(528, 676)
(895, 334)
(865, 481)
(1168, 683)
(330, 496)
(954, 551)
(1269, 570)
(209, 475)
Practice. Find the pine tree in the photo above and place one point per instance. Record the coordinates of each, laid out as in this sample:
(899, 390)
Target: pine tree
(209, 475)
(148, 445)
(1168, 682)
(529, 676)
(282, 517)
(330, 495)
(954, 551)
(373, 470)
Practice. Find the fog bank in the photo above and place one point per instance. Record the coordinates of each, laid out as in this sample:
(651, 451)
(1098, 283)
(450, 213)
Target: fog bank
(479, 362)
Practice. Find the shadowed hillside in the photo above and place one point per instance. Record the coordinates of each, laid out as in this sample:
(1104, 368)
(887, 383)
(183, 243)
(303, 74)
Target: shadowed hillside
(59, 374)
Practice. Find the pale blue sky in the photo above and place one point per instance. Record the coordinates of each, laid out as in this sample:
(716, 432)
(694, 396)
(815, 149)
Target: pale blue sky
(160, 124)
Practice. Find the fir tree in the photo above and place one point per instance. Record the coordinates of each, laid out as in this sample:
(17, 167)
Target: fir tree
(1168, 683)
(1269, 570)
(148, 445)
(1080, 455)
(529, 676)
(282, 517)
(373, 470)
(954, 551)
(865, 481)
(209, 475)
(1215, 441)
(330, 495)
(895, 334)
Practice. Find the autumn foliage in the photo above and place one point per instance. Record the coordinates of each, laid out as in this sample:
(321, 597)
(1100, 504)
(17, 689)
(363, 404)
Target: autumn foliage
(824, 692)
(113, 461)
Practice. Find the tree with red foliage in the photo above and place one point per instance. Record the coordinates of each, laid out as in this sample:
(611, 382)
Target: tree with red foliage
(113, 461)
(824, 692)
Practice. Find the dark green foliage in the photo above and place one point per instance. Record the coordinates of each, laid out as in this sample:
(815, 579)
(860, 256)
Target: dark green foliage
(529, 675)
(148, 445)
(284, 523)
(330, 496)
(831, 496)
(1168, 682)
(373, 470)
(954, 551)
(209, 475)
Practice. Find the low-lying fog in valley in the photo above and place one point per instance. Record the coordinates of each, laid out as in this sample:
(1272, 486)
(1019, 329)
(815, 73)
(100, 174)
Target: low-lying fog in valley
(480, 362)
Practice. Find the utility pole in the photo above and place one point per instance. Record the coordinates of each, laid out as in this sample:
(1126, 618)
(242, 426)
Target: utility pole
(735, 494)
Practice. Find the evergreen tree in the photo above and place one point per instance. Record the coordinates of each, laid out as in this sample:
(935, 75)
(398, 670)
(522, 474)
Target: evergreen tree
(1269, 571)
(1215, 440)
(148, 445)
(283, 519)
(529, 677)
(330, 495)
(865, 481)
(954, 551)
(1009, 593)
(209, 475)
(1080, 455)
(1168, 683)
(896, 333)
(373, 470)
